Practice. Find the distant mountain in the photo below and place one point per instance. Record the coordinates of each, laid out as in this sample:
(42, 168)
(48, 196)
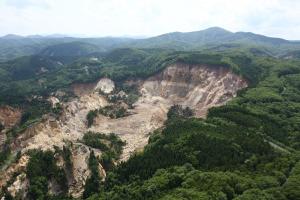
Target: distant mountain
(56, 36)
(12, 36)
(13, 46)
(211, 37)
(34, 36)
(258, 39)
(200, 37)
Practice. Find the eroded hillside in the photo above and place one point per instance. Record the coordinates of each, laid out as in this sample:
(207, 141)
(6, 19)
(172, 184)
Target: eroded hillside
(8, 118)
(197, 86)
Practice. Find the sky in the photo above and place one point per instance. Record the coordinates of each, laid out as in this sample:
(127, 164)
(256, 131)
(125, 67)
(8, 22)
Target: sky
(276, 18)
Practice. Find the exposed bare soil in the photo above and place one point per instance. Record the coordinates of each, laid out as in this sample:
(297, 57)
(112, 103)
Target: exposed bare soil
(197, 86)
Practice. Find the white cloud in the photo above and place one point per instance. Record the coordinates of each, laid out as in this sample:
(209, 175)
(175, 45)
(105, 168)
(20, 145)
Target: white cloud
(148, 17)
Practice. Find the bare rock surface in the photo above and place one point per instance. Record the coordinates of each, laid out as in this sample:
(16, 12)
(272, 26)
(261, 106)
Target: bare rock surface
(19, 187)
(105, 85)
(80, 170)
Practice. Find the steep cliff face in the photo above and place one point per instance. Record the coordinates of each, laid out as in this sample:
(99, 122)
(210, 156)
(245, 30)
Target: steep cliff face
(197, 86)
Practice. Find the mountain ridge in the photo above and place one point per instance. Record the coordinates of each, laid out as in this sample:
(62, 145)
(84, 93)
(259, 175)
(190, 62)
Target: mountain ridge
(13, 46)
(210, 29)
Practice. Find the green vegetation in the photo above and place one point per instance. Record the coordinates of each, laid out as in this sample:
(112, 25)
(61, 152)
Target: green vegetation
(17, 46)
(213, 38)
(68, 52)
(92, 185)
(41, 169)
(186, 182)
(1, 127)
(57, 109)
(178, 112)
(92, 114)
(113, 111)
(292, 186)
(95, 140)
(216, 37)
(110, 145)
(67, 157)
(4, 154)
(125, 93)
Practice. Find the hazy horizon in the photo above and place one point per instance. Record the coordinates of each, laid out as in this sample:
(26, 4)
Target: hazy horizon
(61, 35)
(134, 18)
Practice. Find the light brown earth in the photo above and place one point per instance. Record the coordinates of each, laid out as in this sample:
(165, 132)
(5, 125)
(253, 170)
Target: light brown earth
(197, 86)
(9, 116)
(15, 167)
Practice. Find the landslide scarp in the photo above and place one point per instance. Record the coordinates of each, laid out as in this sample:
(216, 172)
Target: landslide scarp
(199, 87)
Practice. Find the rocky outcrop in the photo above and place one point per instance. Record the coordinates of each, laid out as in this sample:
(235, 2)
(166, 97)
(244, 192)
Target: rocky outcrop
(18, 189)
(105, 85)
